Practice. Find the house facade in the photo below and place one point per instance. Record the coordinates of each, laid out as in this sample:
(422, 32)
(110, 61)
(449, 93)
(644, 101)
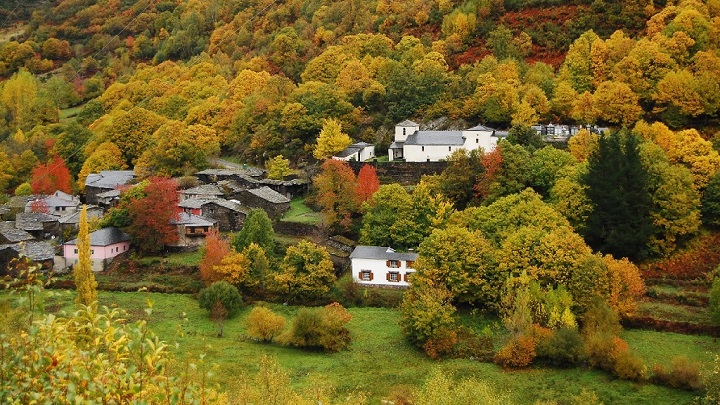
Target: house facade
(106, 180)
(105, 244)
(414, 145)
(58, 203)
(229, 215)
(192, 230)
(274, 203)
(382, 266)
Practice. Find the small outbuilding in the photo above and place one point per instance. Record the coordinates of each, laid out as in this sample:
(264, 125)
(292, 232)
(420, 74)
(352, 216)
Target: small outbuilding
(382, 266)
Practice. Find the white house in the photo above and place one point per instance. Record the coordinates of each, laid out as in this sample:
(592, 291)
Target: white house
(58, 203)
(360, 152)
(105, 244)
(414, 145)
(377, 265)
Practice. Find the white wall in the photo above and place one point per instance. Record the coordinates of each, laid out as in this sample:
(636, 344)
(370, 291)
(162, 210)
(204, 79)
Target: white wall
(401, 136)
(367, 153)
(380, 270)
(419, 153)
(479, 139)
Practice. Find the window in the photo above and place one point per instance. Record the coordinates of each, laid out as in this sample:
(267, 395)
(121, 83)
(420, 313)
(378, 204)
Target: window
(124, 247)
(407, 276)
(366, 275)
(449, 148)
(410, 264)
(393, 277)
(75, 251)
(92, 251)
(393, 264)
(404, 129)
(477, 140)
(423, 148)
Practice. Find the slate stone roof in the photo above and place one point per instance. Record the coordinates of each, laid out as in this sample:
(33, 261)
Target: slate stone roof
(480, 128)
(105, 237)
(109, 179)
(352, 149)
(205, 189)
(440, 138)
(33, 221)
(198, 203)
(13, 234)
(270, 195)
(248, 171)
(381, 253)
(231, 205)
(34, 250)
(397, 145)
(109, 194)
(192, 220)
(407, 123)
(74, 218)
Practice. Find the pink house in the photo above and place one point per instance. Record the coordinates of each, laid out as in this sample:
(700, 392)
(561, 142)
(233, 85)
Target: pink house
(105, 244)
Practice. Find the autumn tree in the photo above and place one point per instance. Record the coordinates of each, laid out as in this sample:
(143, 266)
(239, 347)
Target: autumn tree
(306, 272)
(50, 177)
(367, 183)
(331, 140)
(463, 172)
(215, 250)
(84, 278)
(617, 186)
(233, 268)
(222, 300)
(106, 156)
(151, 214)
(263, 324)
(278, 167)
(257, 229)
(427, 312)
(336, 194)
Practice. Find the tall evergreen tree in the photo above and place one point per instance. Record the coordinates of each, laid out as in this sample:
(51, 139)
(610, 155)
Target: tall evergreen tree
(84, 278)
(620, 222)
(257, 229)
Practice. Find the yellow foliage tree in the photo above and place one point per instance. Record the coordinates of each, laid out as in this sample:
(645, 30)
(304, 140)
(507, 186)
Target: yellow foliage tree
(234, 268)
(84, 278)
(615, 102)
(107, 156)
(331, 139)
(582, 144)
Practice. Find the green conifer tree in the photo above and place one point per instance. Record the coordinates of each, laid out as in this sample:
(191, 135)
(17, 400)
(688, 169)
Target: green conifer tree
(84, 278)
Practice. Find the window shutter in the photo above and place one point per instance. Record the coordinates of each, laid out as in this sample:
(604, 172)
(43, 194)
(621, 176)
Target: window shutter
(387, 276)
(387, 263)
(371, 276)
(405, 277)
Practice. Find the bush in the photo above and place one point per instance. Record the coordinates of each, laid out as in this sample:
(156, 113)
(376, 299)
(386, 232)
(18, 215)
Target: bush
(473, 345)
(263, 324)
(684, 374)
(600, 318)
(517, 353)
(629, 366)
(220, 294)
(441, 344)
(322, 328)
(563, 348)
(599, 350)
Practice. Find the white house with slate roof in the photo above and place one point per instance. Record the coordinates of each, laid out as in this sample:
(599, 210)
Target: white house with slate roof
(382, 266)
(359, 152)
(105, 244)
(415, 145)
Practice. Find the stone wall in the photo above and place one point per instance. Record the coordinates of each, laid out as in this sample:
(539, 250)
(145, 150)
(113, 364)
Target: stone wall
(405, 173)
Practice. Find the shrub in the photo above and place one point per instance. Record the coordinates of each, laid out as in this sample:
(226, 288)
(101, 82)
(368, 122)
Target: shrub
(223, 294)
(683, 374)
(563, 348)
(629, 366)
(441, 344)
(263, 324)
(318, 327)
(517, 353)
(599, 349)
(473, 345)
(600, 318)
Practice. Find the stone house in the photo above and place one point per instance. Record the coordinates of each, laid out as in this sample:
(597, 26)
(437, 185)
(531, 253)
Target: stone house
(274, 203)
(106, 180)
(230, 215)
(192, 230)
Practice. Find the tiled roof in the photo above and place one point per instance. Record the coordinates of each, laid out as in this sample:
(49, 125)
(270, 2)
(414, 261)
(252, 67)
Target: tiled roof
(33, 221)
(109, 179)
(13, 234)
(407, 123)
(352, 149)
(205, 189)
(268, 194)
(36, 251)
(105, 237)
(435, 138)
(109, 194)
(192, 220)
(397, 145)
(231, 205)
(381, 253)
(74, 218)
(480, 128)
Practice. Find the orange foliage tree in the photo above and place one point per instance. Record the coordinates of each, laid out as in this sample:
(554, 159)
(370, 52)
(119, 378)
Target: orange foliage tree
(151, 215)
(492, 163)
(335, 194)
(50, 177)
(367, 183)
(215, 250)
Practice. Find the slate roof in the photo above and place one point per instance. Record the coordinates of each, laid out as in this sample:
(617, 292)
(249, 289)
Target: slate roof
(13, 234)
(480, 128)
(441, 138)
(205, 189)
(192, 220)
(34, 250)
(33, 221)
(109, 194)
(381, 253)
(231, 205)
(248, 171)
(105, 237)
(268, 194)
(397, 145)
(407, 123)
(74, 218)
(352, 149)
(109, 179)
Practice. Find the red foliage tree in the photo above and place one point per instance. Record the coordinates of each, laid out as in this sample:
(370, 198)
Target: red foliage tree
(39, 206)
(152, 213)
(50, 177)
(492, 163)
(367, 183)
(215, 250)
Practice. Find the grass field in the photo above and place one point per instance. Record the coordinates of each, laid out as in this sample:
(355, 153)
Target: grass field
(299, 212)
(70, 113)
(381, 361)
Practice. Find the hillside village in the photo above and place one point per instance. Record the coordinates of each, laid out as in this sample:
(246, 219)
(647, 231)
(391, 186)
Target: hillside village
(347, 202)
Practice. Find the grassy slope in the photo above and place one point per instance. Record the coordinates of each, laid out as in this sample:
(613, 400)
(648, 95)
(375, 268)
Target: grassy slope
(381, 361)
